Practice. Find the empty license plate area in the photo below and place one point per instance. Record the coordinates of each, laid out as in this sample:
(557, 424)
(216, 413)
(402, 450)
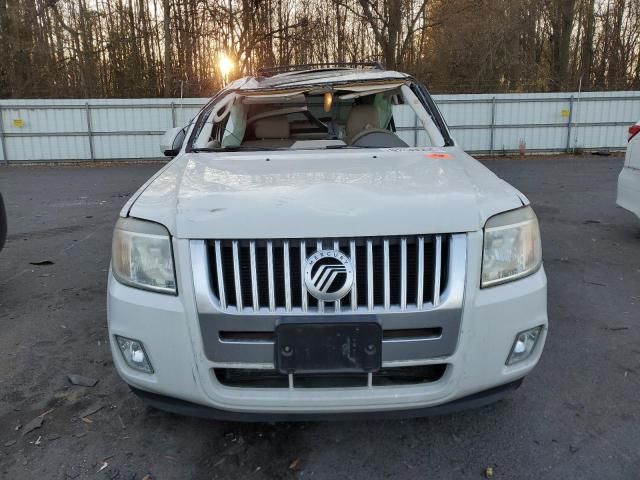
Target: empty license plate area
(328, 347)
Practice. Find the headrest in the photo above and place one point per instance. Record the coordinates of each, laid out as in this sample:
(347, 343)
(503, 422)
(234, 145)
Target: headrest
(362, 117)
(271, 127)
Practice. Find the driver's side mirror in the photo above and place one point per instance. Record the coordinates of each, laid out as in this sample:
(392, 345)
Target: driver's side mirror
(172, 140)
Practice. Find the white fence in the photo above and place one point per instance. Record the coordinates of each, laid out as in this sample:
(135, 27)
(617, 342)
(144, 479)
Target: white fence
(53, 130)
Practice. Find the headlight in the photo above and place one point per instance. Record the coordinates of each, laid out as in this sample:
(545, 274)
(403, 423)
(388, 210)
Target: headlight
(511, 247)
(141, 256)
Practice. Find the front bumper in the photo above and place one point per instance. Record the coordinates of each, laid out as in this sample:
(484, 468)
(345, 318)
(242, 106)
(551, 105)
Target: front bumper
(170, 330)
(477, 400)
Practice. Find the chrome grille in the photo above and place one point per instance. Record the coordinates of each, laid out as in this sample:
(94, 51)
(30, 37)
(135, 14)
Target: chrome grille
(390, 273)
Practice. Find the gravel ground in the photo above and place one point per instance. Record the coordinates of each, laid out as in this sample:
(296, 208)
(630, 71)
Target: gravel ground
(576, 415)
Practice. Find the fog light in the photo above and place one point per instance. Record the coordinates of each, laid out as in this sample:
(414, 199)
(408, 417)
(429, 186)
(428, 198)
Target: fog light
(134, 354)
(523, 345)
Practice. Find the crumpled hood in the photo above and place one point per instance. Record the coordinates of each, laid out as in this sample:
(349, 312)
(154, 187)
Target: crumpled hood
(323, 193)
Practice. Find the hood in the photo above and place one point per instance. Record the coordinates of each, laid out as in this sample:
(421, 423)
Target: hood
(323, 193)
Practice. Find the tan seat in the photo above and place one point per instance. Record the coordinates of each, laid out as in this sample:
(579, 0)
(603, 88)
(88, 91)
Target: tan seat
(361, 117)
(271, 132)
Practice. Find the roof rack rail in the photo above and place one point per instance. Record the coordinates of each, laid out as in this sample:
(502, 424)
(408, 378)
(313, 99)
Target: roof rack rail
(269, 71)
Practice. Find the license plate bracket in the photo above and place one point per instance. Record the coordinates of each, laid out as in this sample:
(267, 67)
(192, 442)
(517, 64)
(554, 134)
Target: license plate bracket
(341, 347)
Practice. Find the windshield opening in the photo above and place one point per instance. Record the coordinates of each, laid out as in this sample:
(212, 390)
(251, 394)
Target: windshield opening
(356, 116)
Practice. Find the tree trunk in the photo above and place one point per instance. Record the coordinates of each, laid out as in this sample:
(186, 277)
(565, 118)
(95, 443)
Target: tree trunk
(166, 6)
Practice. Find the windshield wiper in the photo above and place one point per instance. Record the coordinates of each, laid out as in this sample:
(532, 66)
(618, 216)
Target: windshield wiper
(338, 147)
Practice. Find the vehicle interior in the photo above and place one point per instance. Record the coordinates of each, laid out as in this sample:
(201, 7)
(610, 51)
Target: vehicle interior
(352, 116)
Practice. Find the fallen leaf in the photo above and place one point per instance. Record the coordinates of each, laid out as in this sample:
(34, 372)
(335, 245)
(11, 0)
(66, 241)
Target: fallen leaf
(235, 449)
(104, 465)
(42, 262)
(81, 380)
(72, 473)
(91, 410)
(488, 472)
(33, 425)
(616, 329)
(294, 465)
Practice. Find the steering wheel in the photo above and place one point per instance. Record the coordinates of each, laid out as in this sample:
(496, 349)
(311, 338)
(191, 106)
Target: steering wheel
(377, 137)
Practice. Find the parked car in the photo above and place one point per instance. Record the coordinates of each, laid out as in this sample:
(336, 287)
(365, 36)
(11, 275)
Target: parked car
(3, 223)
(629, 178)
(311, 253)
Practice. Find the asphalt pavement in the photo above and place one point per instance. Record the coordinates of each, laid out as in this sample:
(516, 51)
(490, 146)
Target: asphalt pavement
(576, 416)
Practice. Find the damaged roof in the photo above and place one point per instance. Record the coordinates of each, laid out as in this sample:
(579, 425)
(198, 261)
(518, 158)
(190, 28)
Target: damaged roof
(310, 78)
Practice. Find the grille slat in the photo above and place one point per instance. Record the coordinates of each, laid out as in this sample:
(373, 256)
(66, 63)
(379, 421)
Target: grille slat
(390, 273)
(220, 276)
(254, 276)
(370, 274)
(236, 275)
(403, 273)
(338, 303)
(436, 275)
(354, 263)
(303, 287)
(271, 282)
(320, 303)
(287, 276)
(420, 287)
(387, 282)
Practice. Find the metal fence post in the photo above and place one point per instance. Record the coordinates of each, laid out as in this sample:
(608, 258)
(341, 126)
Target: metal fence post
(90, 131)
(493, 124)
(569, 124)
(2, 139)
(173, 115)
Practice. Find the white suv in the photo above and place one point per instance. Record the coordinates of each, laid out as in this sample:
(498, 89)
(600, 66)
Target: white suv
(321, 246)
(629, 179)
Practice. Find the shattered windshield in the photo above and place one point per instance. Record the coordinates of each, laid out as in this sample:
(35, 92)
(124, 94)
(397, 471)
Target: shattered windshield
(365, 115)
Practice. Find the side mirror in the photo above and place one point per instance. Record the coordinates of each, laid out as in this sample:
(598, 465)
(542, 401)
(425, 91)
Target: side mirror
(172, 140)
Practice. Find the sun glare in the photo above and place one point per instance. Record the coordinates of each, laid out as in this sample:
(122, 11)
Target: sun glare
(225, 64)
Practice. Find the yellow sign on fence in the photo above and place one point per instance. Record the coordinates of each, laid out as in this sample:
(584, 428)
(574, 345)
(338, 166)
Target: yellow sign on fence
(565, 112)
(18, 122)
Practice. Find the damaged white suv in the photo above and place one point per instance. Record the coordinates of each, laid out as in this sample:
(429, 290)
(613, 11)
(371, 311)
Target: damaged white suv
(321, 246)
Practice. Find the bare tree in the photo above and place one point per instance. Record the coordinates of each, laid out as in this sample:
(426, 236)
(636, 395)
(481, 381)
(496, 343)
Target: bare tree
(102, 48)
